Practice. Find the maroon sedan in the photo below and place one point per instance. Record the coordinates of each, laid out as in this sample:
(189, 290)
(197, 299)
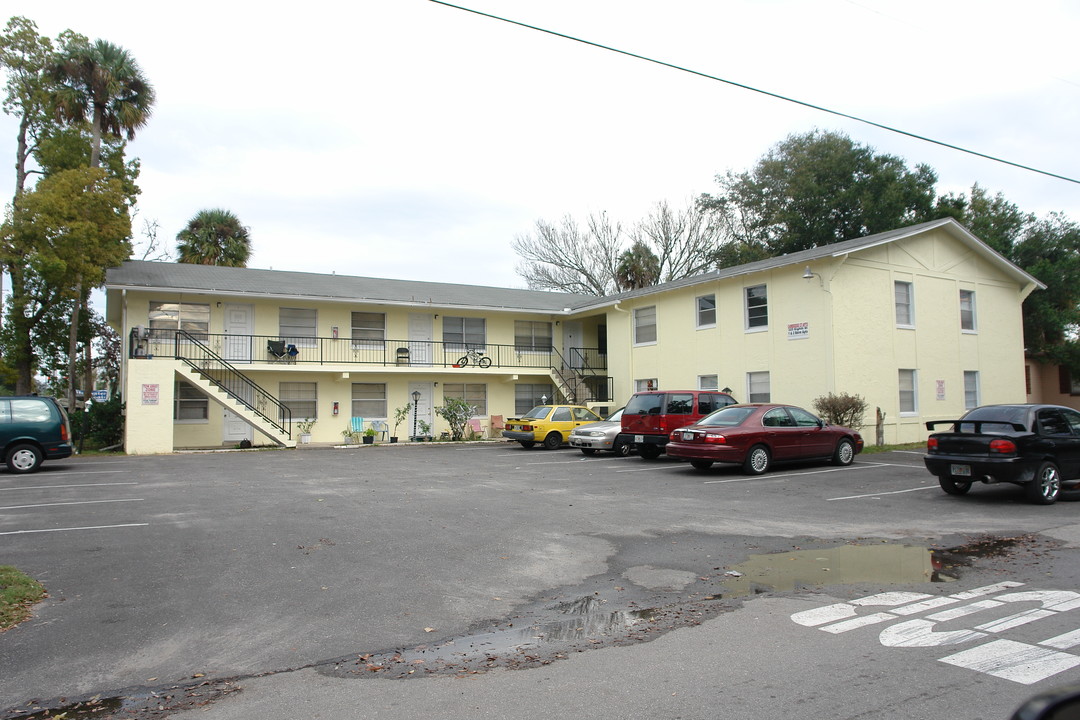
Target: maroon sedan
(756, 435)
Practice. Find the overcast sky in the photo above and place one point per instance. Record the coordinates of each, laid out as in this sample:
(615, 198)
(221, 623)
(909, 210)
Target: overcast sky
(407, 139)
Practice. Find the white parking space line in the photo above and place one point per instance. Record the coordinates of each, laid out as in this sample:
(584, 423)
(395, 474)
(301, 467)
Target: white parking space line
(651, 468)
(88, 527)
(80, 502)
(53, 487)
(771, 476)
(879, 494)
(86, 472)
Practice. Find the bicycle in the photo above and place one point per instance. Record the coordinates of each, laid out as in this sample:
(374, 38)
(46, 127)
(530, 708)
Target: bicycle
(476, 357)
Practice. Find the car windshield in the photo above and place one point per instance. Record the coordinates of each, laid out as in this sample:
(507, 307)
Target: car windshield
(537, 413)
(615, 416)
(727, 417)
(991, 416)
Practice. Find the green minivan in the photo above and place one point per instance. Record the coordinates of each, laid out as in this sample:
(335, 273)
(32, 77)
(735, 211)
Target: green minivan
(32, 429)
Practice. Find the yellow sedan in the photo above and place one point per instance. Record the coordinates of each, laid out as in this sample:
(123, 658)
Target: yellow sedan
(548, 424)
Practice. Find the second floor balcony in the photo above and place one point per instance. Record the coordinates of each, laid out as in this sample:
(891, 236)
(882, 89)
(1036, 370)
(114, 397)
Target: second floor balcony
(322, 351)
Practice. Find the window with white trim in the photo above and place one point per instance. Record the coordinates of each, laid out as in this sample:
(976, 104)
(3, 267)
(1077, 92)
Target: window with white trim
(190, 405)
(301, 398)
(758, 387)
(475, 394)
(645, 325)
(369, 400)
(532, 336)
(645, 384)
(971, 389)
(464, 333)
(708, 382)
(529, 395)
(909, 396)
(706, 311)
(297, 326)
(368, 329)
(166, 317)
(757, 307)
(967, 310)
(904, 299)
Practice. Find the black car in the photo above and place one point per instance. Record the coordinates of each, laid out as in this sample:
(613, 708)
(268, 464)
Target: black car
(1035, 446)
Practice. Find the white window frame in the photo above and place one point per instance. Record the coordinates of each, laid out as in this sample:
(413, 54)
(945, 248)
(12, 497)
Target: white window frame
(642, 326)
(475, 394)
(758, 387)
(371, 330)
(705, 317)
(300, 397)
(369, 393)
(708, 382)
(646, 384)
(182, 388)
(970, 324)
(755, 317)
(908, 376)
(301, 328)
(464, 333)
(972, 394)
(906, 305)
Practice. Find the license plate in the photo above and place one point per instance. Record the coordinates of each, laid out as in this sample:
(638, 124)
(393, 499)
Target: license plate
(960, 470)
(688, 436)
(639, 438)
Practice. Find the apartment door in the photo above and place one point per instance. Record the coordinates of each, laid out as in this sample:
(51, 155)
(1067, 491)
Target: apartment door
(421, 334)
(423, 406)
(572, 333)
(238, 325)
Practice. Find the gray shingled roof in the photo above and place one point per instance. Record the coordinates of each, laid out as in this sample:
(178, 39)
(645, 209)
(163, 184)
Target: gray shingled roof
(242, 281)
(183, 277)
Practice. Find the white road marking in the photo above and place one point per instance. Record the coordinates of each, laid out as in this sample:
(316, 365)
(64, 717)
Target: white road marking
(53, 487)
(1014, 661)
(88, 527)
(653, 467)
(79, 502)
(879, 494)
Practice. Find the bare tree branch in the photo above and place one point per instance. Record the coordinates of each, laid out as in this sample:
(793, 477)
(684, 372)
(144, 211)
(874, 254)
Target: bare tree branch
(563, 257)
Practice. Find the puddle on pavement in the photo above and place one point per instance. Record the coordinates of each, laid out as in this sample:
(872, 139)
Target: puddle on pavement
(94, 708)
(844, 565)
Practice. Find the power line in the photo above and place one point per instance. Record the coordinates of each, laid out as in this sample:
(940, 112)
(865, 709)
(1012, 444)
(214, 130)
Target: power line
(760, 91)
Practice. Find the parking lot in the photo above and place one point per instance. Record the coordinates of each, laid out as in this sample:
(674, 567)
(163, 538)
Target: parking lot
(164, 568)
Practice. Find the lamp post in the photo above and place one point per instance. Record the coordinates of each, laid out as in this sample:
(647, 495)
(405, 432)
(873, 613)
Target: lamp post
(415, 402)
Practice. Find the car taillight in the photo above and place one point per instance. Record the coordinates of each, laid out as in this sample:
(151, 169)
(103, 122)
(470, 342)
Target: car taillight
(526, 428)
(716, 439)
(63, 432)
(931, 444)
(1001, 445)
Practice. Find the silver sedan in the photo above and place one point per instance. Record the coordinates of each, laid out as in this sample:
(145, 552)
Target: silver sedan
(593, 437)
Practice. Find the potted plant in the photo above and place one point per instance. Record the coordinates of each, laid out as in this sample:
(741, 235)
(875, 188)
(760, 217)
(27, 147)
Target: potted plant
(369, 436)
(425, 431)
(401, 414)
(347, 435)
(305, 426)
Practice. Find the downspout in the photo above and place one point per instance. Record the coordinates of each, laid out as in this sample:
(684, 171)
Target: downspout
(629, 353)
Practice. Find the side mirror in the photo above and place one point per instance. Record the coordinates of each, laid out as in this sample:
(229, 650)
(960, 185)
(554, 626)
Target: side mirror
(1059, 704)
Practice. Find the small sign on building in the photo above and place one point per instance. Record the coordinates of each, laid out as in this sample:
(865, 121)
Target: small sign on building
(798, 331)
(150, 393)
(940, 389)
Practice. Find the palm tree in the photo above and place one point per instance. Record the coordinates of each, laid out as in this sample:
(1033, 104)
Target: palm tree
(638, 267)
(100, 84)
(214, 237)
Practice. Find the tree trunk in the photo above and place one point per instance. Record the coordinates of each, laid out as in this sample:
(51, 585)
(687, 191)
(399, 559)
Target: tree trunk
(73, 342)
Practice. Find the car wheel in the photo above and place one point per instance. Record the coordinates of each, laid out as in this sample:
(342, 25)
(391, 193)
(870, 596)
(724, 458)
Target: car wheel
(701, 464)
(622, 449)
(649, 452)
(757, 460)
(845, 452)
(553, 441)
(953, 486)
(526, 443)
(588, 451)
(24, 458)
(1045, 487)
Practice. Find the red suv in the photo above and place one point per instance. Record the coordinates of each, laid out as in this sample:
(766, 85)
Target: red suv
(650, 416)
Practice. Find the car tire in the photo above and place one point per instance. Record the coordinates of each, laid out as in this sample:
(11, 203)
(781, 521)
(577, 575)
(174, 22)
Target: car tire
(526, 443)
(845, 452)
(553, 441)
(649, 452)
(757, 460)
(1045, 487)
(24, 458)
(622, 449)
(588, 451)
(701, 464)
(953, 486)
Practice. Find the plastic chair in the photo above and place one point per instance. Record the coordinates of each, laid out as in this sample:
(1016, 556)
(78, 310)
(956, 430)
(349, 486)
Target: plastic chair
(358, 426)
(381, 428)
(497, 425)
(476, 427)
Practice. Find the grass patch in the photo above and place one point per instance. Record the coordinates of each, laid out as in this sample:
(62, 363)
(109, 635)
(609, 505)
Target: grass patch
(870, 449)
(18, 593)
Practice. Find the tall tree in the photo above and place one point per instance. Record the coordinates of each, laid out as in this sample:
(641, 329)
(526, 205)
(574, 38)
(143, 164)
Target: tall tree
(819, 188)
(101, 84)
(214, 237)
(566, 258)
(638, 267)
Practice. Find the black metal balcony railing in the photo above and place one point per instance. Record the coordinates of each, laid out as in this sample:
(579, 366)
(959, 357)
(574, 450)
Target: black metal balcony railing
(247, 349)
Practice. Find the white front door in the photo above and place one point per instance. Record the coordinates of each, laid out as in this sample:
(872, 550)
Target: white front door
(237, 327)
(421, 329)
(572, 333)
(423, 407)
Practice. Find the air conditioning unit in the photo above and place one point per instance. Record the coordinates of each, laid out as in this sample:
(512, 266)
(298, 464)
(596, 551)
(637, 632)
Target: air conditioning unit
(141, 332)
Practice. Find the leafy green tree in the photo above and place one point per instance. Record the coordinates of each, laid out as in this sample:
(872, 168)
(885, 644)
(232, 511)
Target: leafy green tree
(815, 189)
(638, 267)
(214, 237)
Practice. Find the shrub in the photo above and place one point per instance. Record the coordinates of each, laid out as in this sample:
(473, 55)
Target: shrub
(842, 409)
(456, 412)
